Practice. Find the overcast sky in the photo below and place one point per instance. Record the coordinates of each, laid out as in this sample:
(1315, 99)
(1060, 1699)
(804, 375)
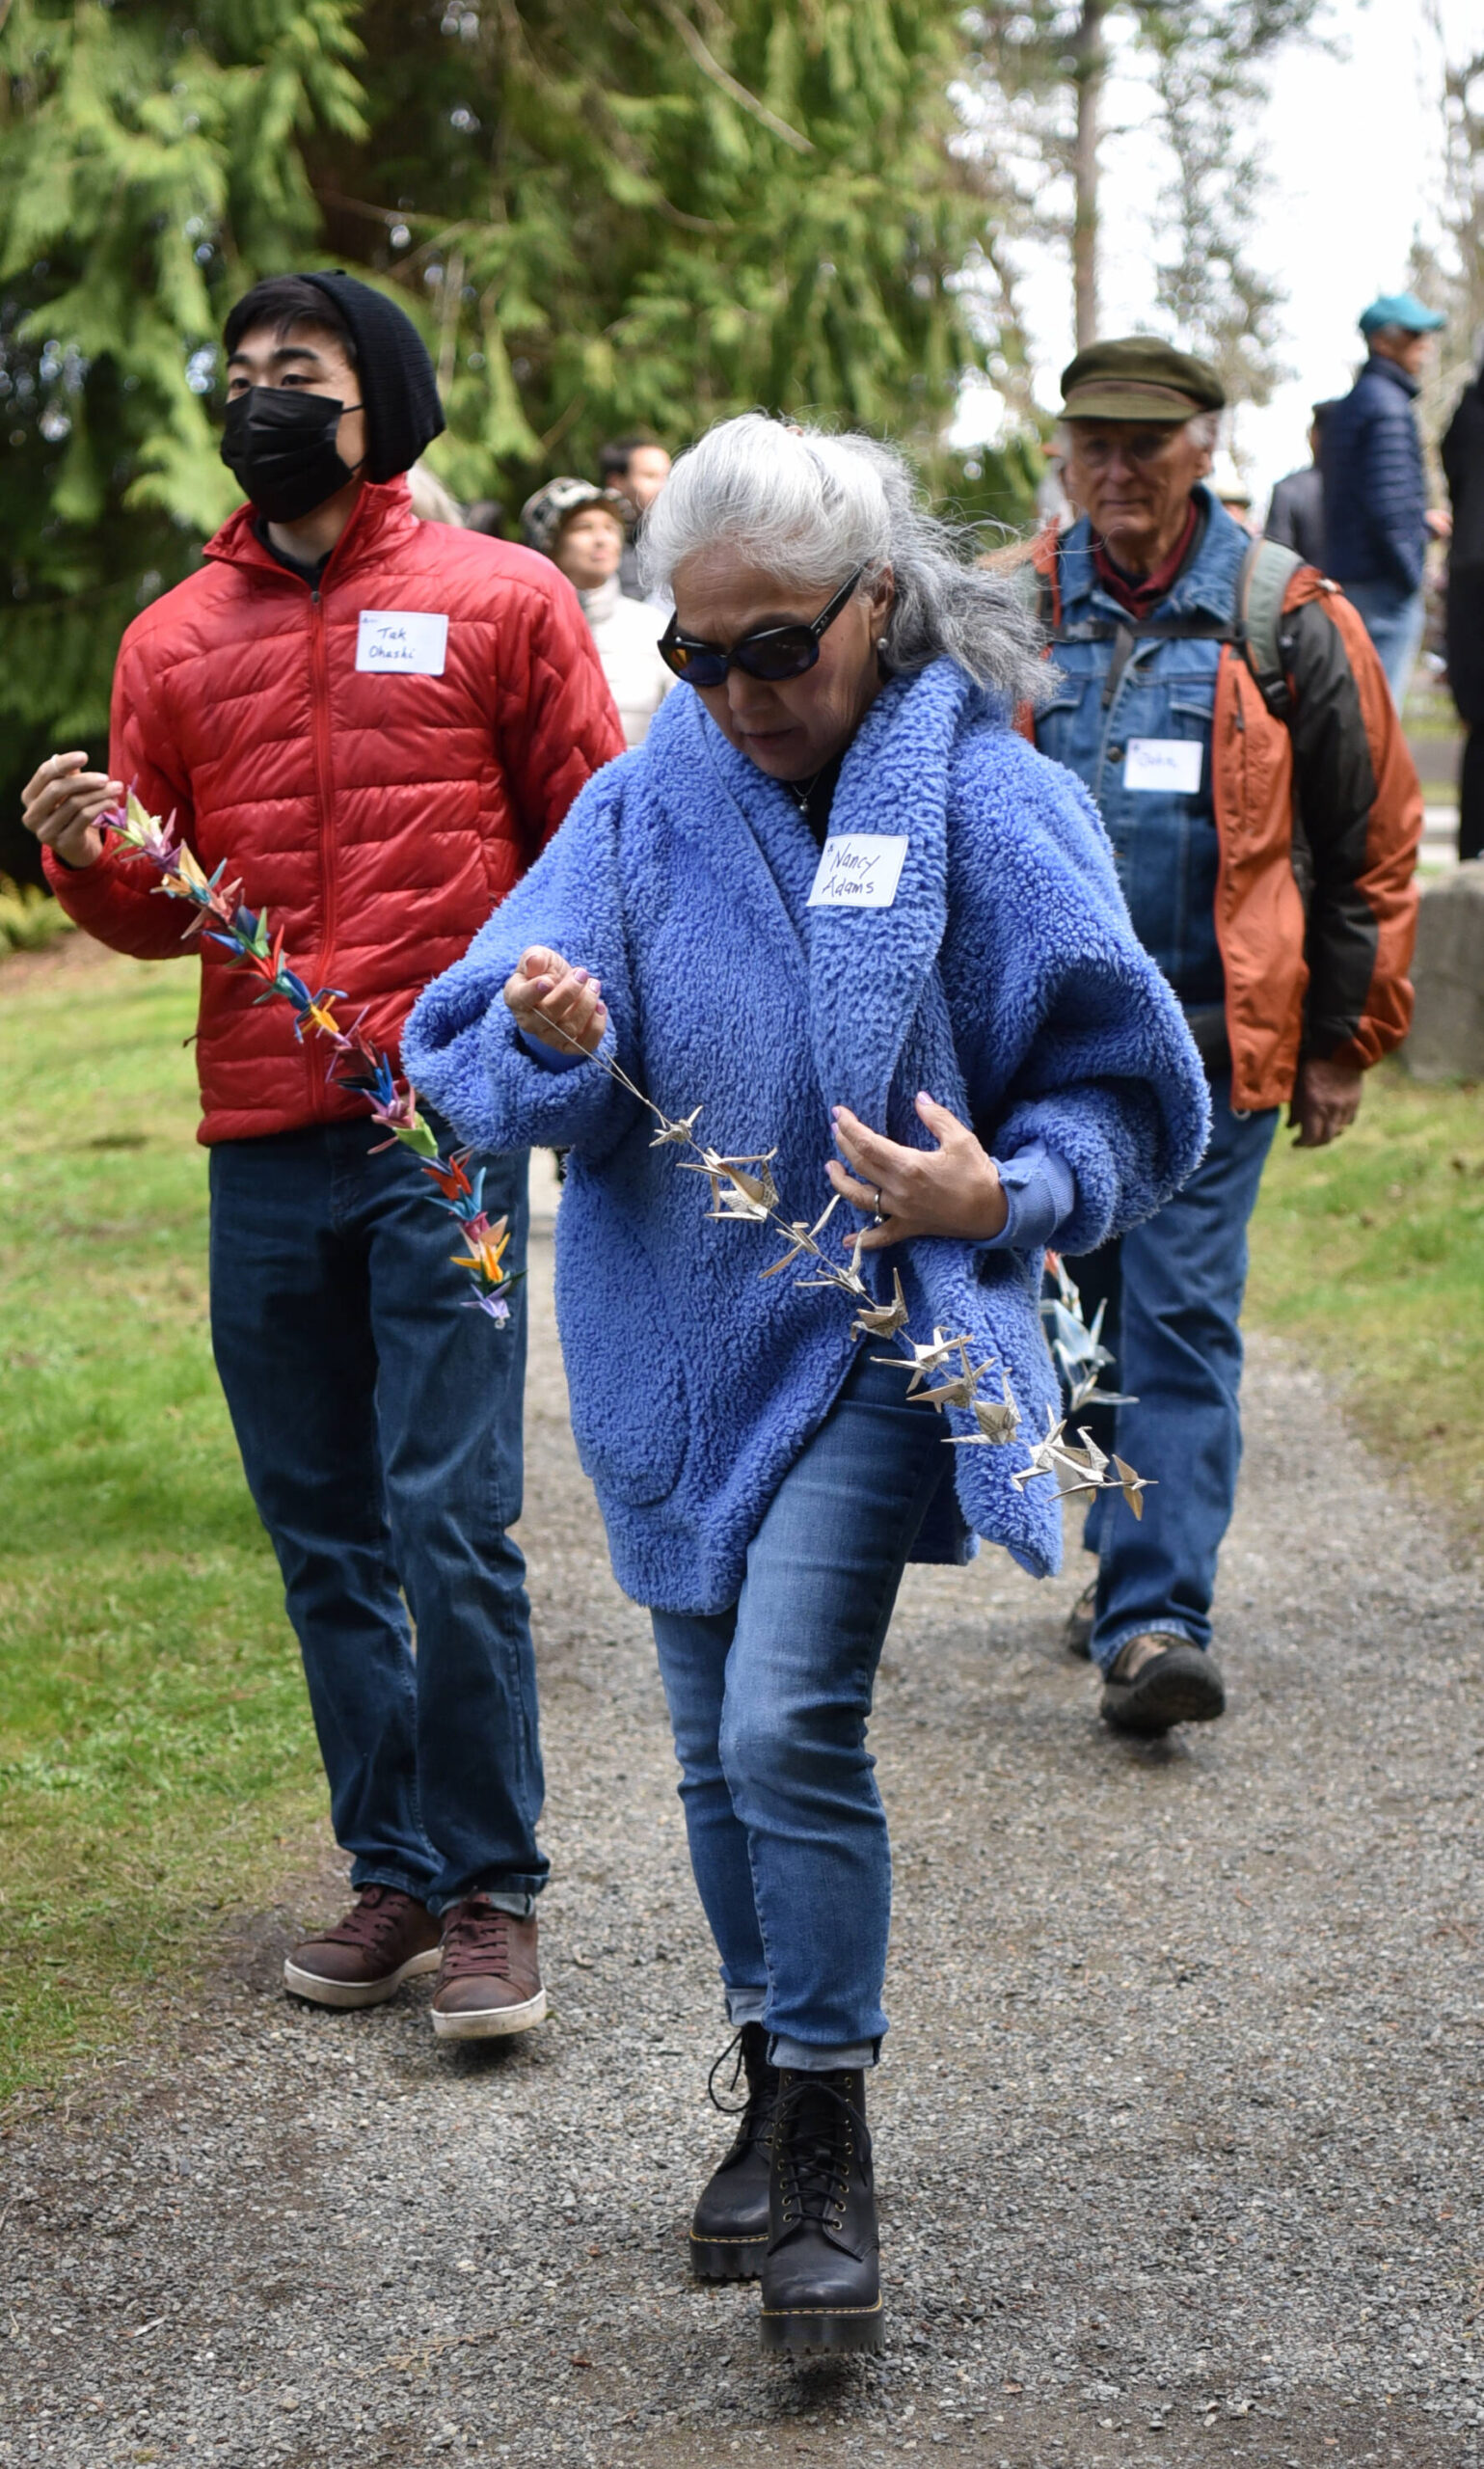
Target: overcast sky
(1352, 154)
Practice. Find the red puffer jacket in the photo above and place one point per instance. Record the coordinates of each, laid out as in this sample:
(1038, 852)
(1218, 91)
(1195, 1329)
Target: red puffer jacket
(378, 816)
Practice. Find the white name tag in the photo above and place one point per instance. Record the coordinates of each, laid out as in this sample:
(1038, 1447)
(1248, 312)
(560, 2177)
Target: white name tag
(1164, 763)
(410, 639)
(859, 870)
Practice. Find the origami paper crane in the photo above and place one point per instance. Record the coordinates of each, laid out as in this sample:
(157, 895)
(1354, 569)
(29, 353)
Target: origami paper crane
(1078, 1350)
(999, 1423)
(457, 1191)
(142, 834)
(924, 1359)
(843, 1277)
(678, 1133)
(392, 1102)
(734, 1193)
(881, 1319)
(959, 1391)
(487, 1248)
(498, 1306)
(1131, 1485)
(803, 1242)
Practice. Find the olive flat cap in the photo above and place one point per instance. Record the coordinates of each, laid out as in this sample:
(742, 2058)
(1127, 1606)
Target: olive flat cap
(1139, 378)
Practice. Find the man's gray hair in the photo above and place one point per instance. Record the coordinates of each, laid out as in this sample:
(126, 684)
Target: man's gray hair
(809, 506)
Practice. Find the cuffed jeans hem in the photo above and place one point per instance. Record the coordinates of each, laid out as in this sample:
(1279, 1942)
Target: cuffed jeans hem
(363, 1873)
(746, 2006)
(517, 1900)
(1107, 1650)
(801, 2058)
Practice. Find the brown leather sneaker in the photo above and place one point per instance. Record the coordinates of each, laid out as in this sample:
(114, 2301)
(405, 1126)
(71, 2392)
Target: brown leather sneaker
(489, 1982)
(384, 1938)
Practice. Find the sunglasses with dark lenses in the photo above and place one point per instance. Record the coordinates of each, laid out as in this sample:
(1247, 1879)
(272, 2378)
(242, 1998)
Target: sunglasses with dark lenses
(776, 652)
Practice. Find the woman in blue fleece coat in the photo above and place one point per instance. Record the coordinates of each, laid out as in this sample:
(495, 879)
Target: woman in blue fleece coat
(980, 1060)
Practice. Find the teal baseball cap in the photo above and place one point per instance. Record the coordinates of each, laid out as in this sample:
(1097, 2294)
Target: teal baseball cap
(1401, 308)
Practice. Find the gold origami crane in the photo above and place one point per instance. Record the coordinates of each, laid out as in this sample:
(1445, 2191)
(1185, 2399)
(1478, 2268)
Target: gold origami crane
(1131, 1485)
(881, 1319)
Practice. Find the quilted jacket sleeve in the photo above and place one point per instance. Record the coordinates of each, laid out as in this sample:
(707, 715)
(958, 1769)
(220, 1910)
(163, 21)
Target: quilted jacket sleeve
(461, 1046)
(114, 899)
(1390, 484)
(555, 722)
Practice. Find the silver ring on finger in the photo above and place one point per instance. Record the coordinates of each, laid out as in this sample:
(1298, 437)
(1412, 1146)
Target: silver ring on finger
(878, 1219)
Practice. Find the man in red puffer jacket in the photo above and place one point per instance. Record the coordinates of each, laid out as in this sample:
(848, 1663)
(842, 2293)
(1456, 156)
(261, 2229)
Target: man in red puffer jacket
(376, 725)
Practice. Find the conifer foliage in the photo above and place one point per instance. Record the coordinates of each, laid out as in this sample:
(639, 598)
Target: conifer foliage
(601, 218)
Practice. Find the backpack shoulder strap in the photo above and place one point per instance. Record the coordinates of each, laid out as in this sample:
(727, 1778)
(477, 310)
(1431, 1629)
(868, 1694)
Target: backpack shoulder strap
(1267, 570)
(1029, 588)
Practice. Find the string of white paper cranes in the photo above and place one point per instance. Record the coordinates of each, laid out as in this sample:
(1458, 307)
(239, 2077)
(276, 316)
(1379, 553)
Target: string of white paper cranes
(743, 1193)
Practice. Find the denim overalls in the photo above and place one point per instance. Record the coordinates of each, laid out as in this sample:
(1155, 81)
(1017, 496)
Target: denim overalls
(1174, 1286)
(1164, 840)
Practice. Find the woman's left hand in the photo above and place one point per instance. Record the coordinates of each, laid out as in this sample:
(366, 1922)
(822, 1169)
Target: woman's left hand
(954, 1189)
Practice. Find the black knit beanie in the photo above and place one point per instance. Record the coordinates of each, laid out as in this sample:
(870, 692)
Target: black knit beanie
(398, 390)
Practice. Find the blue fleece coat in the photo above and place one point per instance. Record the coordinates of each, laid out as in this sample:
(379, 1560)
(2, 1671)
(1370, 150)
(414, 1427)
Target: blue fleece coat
(1004, 979)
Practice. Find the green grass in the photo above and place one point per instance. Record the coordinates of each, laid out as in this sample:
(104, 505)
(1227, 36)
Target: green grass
(156, 1760)
(155, 1748)
(1370, 1254)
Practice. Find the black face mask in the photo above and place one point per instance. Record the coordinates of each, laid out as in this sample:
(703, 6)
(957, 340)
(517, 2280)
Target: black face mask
(279, 444)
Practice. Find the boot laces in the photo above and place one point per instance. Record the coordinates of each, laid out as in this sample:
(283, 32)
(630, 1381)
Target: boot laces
(816, 2142)
(756, 2112)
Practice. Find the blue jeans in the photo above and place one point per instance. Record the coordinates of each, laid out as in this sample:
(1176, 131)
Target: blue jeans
(768, 1703)
(1395, 619)
(1173, 1290)
(380, 1430)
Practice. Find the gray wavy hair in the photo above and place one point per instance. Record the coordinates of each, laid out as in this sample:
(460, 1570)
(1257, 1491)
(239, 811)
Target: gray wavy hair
(808, 506)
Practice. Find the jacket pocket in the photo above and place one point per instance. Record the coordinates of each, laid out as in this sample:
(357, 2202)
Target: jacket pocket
(1190, 709)
(630, 1412)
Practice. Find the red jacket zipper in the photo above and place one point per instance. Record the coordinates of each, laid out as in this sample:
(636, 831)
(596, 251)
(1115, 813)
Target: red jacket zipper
(319, 697)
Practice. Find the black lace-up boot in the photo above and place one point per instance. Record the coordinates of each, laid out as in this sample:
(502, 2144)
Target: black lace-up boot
(822, 2283)
(729, 2232)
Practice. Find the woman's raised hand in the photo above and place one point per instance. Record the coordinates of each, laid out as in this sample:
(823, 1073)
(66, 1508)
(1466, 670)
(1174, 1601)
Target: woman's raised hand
(560, 1005)
(954, 1189)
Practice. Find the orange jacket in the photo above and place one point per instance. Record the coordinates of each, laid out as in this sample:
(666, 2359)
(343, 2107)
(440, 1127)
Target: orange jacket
(1318, 816)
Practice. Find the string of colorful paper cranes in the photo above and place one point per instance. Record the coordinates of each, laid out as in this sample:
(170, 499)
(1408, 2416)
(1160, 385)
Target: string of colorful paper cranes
(220, 913)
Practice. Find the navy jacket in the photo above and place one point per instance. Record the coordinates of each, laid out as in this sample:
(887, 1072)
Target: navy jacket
(1375, 495)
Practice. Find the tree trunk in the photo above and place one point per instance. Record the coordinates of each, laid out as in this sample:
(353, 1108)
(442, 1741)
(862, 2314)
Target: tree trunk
(1091, 72)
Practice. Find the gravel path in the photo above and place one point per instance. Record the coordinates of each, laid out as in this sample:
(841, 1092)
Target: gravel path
(1179, 2126)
